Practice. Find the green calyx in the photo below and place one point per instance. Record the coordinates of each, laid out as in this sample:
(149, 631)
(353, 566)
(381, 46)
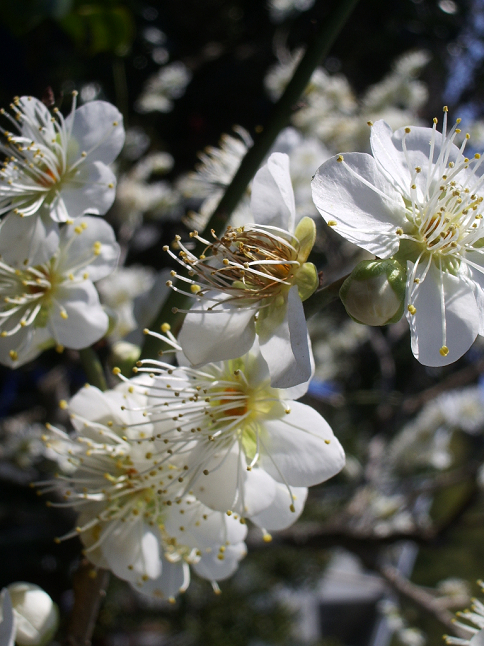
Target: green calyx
(305, 278)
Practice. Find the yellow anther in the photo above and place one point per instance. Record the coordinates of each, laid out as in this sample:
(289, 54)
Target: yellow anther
(13, 355)
(63, 404)
(166, 327)
(195, 289)
(411, 308)
(444, 351)
(116, 370)
(64, 315)
(332, 223)
(340, 158)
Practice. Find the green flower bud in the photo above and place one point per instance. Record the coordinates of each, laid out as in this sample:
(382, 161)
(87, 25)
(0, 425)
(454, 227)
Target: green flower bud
(36, 615)
(374, 292)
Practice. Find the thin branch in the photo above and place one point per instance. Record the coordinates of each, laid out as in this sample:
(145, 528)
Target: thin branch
(90, 586)
(420, 597)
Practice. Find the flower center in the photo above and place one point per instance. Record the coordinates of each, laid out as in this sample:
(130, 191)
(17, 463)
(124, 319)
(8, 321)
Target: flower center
(251, 263)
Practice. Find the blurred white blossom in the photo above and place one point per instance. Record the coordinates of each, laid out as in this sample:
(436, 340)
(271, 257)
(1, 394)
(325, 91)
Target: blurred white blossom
(163, 88)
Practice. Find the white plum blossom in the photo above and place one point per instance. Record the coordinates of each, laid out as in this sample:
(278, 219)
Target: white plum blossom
(134, 518)
(245, 447)
(252, 281)
(50, 299)
(417, 200)
(60, 164)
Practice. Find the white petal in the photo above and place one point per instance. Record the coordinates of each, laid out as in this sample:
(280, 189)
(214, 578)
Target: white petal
(461, 317)
(94, 405)
(477, 284)
(92, 190)
(213, 568)
(279, 515)
(132, 550)
(174, 579)
(257, 494)
(203, 528)
(300, 448)
(394, 162)
(296, 392)
(218, 489)
(7, 624)
(28, 342)
(286, 351)
(227, 332)
(35, 111)
(93, 129)
(229, 486)
(34, 238)
(343, 193)
(272, 200)
(77, 256)
(86, 320)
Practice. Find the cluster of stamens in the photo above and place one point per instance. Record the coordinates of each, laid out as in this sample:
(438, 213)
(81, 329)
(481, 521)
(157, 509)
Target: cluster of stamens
(36, 159)
(251, 263)
(127, 481)
(30, 292)
(444, 215)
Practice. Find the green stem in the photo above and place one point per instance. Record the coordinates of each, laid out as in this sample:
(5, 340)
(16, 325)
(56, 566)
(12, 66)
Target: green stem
(322, 297)
(279, 119)
(93, 368)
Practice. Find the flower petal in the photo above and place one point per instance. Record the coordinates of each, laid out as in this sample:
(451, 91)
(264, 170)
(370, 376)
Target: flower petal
(460, 314)
(364, 205)
(229, 486)
(301, 449)
(132, 550)
(7, 624)
(174, 579)
(399, 164)
(279, 514)
(286, 350)
(215, 566)
(272, 200)
(86, 320)
(93, 131)
(226, 332)
(28, 343)
(34, 238)
(93, 250)
(92, 190)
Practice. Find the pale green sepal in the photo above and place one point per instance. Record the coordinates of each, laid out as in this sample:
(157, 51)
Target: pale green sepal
(374, 292)
(306, 234)
(269, 318)
(307, 280)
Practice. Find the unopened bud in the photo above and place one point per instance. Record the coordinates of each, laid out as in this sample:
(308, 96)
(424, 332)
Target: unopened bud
(36, 615)
(374, 292)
